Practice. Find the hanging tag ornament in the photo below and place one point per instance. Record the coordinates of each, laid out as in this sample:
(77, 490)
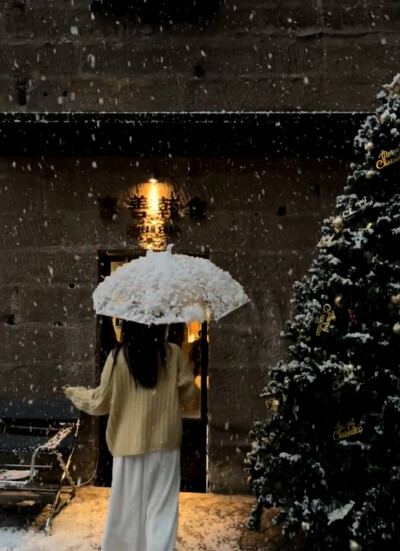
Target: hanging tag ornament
(325, 320)
(344, 431)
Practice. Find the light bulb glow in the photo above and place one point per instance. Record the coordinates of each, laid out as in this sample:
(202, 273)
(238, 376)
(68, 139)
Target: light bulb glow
(154, 199)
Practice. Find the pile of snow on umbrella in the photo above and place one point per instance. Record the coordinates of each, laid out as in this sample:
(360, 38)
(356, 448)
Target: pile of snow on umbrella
(165, 288)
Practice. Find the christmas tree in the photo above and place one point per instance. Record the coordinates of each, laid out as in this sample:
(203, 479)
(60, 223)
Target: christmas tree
(328, 454)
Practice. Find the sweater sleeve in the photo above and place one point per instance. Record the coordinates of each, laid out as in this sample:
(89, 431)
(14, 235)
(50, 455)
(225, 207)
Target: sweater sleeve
(94, 401)
(186, 385)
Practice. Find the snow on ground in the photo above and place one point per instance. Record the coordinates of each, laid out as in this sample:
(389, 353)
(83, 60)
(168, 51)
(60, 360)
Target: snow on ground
(207, 522)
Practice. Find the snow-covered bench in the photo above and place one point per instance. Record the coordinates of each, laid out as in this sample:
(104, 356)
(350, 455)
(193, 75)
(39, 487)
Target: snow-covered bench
(37, 441)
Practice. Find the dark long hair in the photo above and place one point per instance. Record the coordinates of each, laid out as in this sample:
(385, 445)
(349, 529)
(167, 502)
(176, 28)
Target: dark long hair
(144, 349)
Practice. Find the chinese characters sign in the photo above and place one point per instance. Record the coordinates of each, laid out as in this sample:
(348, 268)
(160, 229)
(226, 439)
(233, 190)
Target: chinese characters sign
(153, 207)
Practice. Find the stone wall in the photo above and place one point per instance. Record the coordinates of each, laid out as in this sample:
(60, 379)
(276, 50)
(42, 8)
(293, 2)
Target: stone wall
(252, 55)
(49, 243)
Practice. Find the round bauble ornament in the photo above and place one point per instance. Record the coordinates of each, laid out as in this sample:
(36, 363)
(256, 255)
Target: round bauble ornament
(351, 367)
(339, 301)
(396, 328)
(275, 404)
(338, 224)
(369, 146)
(354, 546)
(370, 174)
(395, 300)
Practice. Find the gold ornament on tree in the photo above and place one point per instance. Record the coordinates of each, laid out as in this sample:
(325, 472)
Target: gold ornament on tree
(272, 404)
(338, 224)
(396, 328)
(369, 146)
(339, 301)
(344, 431)
(395, 300)
(275, 404)
(325, 319)
(354, 546)
(370, 174)
(369, 226)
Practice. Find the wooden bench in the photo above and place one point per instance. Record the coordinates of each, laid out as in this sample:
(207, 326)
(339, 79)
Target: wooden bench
(37, 442)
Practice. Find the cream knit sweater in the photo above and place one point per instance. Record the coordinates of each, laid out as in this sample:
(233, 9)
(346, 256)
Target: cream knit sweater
(140, 420)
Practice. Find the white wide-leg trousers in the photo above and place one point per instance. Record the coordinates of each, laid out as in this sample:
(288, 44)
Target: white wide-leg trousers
(143, 508)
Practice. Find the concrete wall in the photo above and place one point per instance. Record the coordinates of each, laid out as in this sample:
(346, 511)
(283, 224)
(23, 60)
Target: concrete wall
(253, 55)
(49, 241)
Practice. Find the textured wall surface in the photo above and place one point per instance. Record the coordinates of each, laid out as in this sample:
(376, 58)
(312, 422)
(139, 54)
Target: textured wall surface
(252, 55)
(49, 243)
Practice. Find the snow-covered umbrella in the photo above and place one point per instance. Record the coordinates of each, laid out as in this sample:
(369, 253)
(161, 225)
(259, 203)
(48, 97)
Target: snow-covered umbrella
(166, 288)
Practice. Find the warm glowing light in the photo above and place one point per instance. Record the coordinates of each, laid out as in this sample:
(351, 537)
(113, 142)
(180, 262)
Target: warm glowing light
(154, 198)
(194, 328)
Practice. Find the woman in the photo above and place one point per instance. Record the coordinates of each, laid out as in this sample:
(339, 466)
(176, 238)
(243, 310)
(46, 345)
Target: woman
(145, 382)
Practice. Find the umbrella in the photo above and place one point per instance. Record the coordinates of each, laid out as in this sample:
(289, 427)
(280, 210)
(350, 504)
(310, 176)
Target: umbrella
(165, 288)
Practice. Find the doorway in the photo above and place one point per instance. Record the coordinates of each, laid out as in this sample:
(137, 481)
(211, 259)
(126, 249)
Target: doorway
(193, 341)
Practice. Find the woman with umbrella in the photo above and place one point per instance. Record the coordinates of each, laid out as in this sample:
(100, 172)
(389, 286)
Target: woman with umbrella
(144, 383)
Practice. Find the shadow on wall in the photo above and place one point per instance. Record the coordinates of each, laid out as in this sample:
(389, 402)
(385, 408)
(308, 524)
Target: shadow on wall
(161, 11)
